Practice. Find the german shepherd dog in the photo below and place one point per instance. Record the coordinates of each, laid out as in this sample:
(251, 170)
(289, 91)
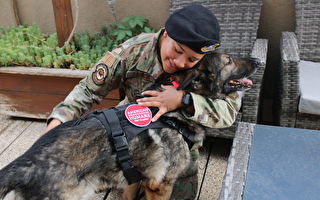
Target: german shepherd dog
(76, 159)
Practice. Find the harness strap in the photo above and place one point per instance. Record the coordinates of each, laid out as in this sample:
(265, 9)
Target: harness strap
(182, 128)
(131, 173)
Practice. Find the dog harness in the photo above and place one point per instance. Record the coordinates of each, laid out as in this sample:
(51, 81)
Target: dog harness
(121, 132)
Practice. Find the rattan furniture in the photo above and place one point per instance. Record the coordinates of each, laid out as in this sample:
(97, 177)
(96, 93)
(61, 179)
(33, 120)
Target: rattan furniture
(303, 44)
(239, 20)
(272, 162)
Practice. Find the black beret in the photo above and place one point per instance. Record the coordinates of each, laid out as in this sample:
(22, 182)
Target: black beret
(196, 27)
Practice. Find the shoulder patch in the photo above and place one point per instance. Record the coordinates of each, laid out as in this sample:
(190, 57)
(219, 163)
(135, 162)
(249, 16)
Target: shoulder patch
(118, 50)
(109, 59)
(100, 74)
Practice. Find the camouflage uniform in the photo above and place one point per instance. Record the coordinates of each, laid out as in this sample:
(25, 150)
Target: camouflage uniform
(117, 69)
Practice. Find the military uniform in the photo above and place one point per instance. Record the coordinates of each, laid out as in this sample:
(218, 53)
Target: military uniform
(134, 66)
(119, 68)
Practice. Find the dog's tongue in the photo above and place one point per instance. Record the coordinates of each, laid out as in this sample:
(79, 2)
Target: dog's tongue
(243, 81)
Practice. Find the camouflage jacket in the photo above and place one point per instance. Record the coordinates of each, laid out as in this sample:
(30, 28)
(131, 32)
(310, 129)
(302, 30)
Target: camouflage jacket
(119, 67)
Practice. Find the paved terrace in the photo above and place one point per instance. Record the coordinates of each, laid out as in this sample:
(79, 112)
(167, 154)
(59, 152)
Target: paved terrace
(18, 134)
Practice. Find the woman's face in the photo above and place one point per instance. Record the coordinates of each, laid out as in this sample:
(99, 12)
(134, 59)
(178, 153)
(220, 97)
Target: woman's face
(176, 56)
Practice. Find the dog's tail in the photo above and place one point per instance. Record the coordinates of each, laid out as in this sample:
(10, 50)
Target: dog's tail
(9, 180)
(6, 184)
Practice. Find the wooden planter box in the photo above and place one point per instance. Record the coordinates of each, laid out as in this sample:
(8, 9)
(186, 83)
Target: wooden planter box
(33, 91)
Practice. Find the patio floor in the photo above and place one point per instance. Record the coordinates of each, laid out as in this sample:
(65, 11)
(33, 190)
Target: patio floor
(18, 134)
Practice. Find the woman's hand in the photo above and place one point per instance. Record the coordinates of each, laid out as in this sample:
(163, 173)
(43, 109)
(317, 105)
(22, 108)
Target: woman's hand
(51, 125)
(166, 100)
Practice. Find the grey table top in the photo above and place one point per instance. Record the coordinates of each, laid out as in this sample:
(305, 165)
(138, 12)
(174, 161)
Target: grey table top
(284, 163)
(280, 163)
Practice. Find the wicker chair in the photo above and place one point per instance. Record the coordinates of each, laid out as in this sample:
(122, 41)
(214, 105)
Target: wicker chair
(304, 44)
(239, 20)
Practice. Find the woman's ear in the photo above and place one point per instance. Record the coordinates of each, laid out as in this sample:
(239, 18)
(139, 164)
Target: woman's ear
(165, 33)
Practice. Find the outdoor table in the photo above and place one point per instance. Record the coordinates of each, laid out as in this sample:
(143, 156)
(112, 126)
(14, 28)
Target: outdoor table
(269, 162)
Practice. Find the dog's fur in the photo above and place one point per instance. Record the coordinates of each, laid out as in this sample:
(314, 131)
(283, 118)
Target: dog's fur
(75, 161)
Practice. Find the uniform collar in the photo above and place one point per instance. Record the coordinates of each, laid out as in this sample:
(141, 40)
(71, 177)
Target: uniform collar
(149, 59)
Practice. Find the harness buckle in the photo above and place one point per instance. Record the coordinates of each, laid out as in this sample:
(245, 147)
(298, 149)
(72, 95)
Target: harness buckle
(117, 133)
(120, 142)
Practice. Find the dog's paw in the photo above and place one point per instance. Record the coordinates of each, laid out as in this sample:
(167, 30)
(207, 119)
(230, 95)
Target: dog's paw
(152, 185)
(130, 192)
(158, 191)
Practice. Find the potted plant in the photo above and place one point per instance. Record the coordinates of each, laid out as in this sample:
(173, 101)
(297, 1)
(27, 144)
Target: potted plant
(36, 74)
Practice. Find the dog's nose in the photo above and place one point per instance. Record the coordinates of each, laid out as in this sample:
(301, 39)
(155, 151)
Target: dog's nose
(255, 61)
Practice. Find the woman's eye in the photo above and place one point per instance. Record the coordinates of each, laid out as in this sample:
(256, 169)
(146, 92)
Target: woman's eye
(179, 52)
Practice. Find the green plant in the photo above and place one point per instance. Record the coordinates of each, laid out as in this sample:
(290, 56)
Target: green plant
(129, 26)
(28, 46)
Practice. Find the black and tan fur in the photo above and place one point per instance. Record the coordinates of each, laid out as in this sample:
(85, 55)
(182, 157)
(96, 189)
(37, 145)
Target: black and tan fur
(75, 160)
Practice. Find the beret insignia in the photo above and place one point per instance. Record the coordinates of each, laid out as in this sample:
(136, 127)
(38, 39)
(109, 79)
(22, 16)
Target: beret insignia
(100, 74)
(210, 48)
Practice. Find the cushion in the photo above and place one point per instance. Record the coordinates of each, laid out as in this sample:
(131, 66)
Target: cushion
(309, 87)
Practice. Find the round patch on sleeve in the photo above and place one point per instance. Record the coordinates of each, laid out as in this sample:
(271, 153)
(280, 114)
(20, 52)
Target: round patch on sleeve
(100, 74)
(138, 115)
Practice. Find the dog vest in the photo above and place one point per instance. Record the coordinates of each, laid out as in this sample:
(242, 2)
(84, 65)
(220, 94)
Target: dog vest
(121, 131)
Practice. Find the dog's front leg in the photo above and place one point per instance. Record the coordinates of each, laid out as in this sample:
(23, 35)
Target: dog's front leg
(130, 192)
(158, 191)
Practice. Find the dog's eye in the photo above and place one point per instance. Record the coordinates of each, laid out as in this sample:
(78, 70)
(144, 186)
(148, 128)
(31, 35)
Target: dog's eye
(229, 61)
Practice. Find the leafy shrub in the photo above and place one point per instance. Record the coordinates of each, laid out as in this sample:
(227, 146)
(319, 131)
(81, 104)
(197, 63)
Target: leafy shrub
(28, 46)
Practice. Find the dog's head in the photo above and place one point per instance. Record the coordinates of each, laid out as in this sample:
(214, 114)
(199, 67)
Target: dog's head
(219, 74)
